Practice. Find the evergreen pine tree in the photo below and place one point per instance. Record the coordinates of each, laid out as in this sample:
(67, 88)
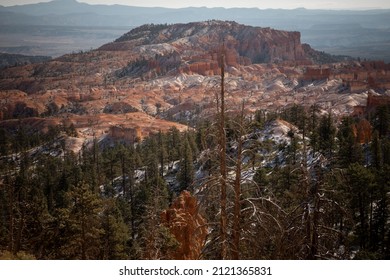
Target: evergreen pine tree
(4, 142)
(173, 145)
(361, 183)
(115, 232)
(349, 150)
(327, 133)
(162, 153)
(386, 151)
(376, 151)
(313, 128)
(186, 171)
(382, 121)
(80, 224)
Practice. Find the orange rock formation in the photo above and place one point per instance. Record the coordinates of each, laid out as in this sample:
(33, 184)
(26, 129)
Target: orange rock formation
(187, 225)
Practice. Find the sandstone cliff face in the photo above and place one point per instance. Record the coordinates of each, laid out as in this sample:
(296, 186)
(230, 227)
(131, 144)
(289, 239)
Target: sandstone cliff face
(187, 225)
(257, 44)
(172, 72)
(199, 45)
(356, 76)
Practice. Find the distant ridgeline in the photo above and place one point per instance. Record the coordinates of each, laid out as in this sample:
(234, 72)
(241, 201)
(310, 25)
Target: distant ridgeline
(11, 60)
(360, 33)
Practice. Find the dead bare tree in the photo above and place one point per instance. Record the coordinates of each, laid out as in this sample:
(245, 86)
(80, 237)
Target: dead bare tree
(223, 169)
(237, 193)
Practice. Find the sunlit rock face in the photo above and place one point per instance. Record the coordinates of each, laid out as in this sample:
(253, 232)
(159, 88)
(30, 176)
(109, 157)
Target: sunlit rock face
(158, 76)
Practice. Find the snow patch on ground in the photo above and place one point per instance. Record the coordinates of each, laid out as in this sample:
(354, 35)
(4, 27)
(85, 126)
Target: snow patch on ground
(151, 50)
(277, 131)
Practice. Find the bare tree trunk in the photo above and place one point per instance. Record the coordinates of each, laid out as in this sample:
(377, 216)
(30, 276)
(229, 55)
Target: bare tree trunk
(304, 141)
(237, 194)
(223, 180)
(19, 234)
(312, 218)
(11, 219)
(83, 235)
(314, 239)
(123, 169)
(131, 196)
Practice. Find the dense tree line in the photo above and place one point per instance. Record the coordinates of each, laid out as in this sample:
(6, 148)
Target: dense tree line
(322, 194)
(102, 203)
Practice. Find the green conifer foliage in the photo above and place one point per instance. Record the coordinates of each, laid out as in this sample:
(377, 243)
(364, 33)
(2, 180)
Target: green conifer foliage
(80, 224)
(115, 232)
(326, 135)
(186, 171)
(361, 185)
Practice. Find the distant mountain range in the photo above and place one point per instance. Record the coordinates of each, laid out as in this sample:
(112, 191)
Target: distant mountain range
(71, 12)
(356, 33)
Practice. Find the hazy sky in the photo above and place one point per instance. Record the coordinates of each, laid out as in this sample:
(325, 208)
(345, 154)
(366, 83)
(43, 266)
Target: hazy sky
(286, 4)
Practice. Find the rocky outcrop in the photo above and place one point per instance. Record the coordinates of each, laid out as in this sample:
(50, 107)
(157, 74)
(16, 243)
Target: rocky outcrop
(316, 73)
(128, 134)
(200, 44)
(257, 44)
(356, 76)
(187, 226)
(373, 103)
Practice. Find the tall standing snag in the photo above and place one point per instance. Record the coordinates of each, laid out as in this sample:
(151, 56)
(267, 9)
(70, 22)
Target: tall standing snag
(237, 193)
(222, 156)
